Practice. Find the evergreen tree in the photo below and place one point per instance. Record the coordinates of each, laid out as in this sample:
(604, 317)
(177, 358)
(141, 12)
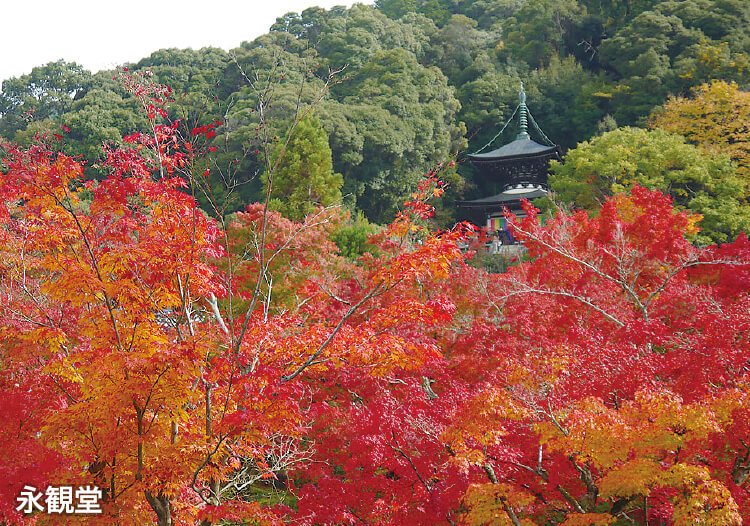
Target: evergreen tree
(304, 177)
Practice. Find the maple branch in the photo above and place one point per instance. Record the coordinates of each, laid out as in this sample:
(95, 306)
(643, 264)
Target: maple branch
(539, 461)
(511, 514)
(573, 502)
(490, 471)
(213, 303)
(532, 290)
(687, 264)
(161, 506)
(301, 303)
(592, 491)
(112, 482)
(554, 420)
(153, 386)
(132, 338)
(618, 506)
(263, 265)
(71, 398)
(626, 266)
(740, 467)
(33, 297)
(271, 170)
(330, 293)
(140, 412)
(230, 384)
(139, 422)
(427, 388)
(206, 460)
(542, 473)
(378, 289)
(20, 316)
(269, 290)
(284, 452)
(184, 299)
(107, 300)
(539, 469)
(400, 451)
(208, 420)
(360, 519)
(593, 268)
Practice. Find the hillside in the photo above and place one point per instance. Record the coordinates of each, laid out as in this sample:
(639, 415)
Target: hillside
(420, 80)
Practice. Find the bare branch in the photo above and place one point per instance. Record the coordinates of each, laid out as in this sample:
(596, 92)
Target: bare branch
(211, 300)
(375, 291)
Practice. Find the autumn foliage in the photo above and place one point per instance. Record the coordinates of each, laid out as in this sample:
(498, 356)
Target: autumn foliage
(148, 352)
(181, 362)
(715, 119)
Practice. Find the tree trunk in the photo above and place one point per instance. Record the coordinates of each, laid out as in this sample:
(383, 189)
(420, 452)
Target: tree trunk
(162, 507)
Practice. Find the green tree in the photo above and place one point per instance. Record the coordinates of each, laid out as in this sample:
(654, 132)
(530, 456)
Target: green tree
(44, 131)
(439, 11)
(304, 178)
(537, 30)
(456, 46)
(306, 25)
(655, 159)
(194, 76)
(486, 104)
(490, 13)
(617, 12)
(719, 20)
(99, 116)
(651, 34)
(485, 12)
(45, 93)
(352, 236)
(395, 9)
(102, 117)
(715, 118)
(353, 39)
(673, 47)
(276, 58)
(643, 54)
(389, 119)
(392, 121)
(263, 89)
(565, 101)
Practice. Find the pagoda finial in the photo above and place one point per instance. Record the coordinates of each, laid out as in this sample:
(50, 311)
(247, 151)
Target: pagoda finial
(522, 111)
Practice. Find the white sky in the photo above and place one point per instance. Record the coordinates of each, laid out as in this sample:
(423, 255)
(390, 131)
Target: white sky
(103, 34)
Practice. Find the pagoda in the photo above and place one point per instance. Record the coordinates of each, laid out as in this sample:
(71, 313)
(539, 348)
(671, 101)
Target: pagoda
(519, 169)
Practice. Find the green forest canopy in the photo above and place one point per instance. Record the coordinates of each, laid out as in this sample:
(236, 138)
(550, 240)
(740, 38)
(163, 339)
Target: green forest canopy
(421, 80)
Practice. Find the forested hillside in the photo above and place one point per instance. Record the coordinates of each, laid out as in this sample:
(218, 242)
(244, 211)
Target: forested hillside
(420, 80)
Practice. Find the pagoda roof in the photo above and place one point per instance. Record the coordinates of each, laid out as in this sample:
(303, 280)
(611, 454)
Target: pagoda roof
(517, 149)
(504, 198)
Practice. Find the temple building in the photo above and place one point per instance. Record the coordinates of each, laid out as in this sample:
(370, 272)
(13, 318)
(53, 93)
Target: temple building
(518, 169)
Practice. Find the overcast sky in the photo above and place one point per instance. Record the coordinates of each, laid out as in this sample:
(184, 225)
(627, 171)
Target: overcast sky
(101, 34)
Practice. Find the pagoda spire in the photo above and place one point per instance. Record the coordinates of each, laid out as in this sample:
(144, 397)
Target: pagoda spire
(521, 165)
(522, 115)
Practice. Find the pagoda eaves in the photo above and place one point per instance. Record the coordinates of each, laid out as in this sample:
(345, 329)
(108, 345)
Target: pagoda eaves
(519, 164)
